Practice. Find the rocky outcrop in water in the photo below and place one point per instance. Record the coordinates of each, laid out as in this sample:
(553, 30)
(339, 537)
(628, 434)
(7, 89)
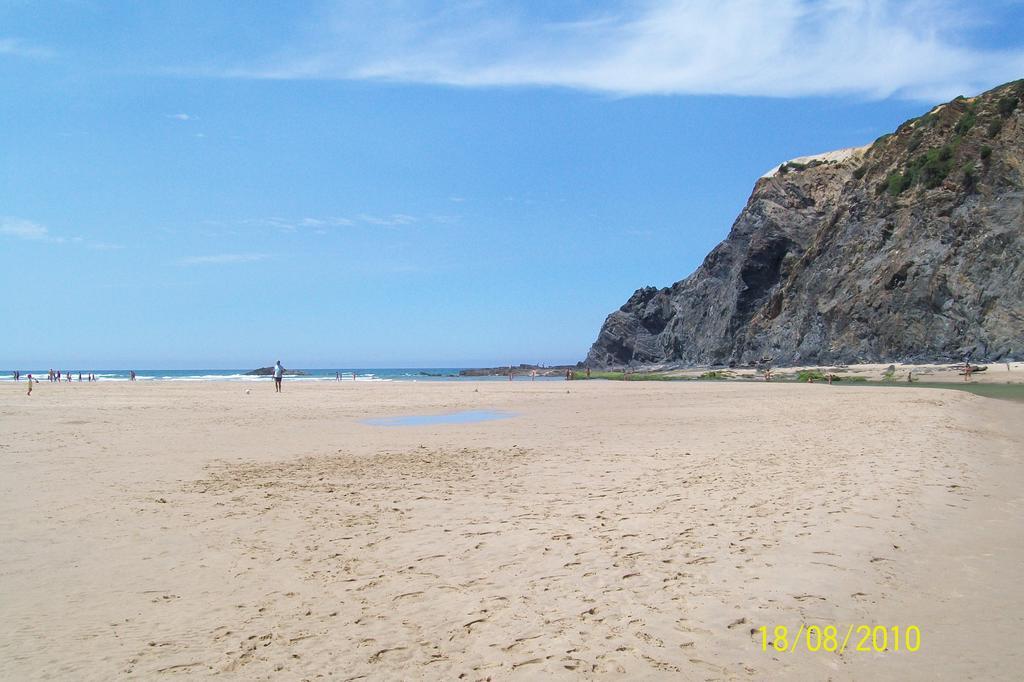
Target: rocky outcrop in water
(269, 372)
(518, 370)
(910, 249)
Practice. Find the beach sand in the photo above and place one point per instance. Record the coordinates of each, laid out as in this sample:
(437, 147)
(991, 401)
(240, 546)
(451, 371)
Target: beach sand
(949, 373)
(610, 530)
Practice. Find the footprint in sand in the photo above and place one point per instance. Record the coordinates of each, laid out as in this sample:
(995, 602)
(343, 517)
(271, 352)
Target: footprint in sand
(375, 658)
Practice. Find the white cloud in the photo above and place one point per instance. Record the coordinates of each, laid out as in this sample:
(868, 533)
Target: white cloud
(26, 229)
(183, 117)
(322, 224)
(783, 48)
(293, 224)
(326, 222)
(18, 48)
(393, 220)
(19, 228)
(224, 259)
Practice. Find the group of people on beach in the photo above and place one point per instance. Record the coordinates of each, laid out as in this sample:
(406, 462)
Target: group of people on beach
(56, 376)
(59, 376)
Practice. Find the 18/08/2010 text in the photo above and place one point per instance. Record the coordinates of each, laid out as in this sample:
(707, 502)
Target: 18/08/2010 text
(830, 638)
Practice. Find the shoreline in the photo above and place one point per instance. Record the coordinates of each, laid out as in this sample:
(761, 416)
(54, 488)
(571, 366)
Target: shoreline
(1001, 372)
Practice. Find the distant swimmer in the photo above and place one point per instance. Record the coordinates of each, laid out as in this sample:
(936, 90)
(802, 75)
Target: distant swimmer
(278, 375)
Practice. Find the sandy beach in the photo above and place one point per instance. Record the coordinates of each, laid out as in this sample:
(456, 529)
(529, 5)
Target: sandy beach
(607, 530)
(897, 373)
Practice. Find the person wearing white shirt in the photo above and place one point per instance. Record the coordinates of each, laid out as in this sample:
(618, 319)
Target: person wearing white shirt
(278, 374)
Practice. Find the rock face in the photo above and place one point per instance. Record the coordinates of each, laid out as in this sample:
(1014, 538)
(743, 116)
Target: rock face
(910, 249)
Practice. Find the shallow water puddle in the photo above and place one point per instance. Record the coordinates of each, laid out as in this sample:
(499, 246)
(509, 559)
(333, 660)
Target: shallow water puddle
(464, 417)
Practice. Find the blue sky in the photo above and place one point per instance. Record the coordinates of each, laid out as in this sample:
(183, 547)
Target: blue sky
(219, 184)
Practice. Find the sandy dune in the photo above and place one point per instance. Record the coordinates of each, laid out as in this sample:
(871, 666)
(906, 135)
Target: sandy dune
(611, 530)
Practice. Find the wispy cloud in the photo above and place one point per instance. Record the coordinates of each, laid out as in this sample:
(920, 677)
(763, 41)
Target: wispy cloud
(393, 220)
(18, 48)
(783, 48)
(224, 259)
(183, 117)
(27, 230)
(324, 224)
(294, 224)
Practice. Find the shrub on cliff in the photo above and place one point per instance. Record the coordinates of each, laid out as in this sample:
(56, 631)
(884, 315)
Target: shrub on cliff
(1006, 105)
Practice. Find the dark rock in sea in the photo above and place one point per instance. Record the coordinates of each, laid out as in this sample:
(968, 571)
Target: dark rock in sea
(908, 250)
(519, 370)
(269, 372)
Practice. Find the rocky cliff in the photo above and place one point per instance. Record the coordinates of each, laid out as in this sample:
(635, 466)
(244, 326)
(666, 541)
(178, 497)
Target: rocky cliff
(910, 249)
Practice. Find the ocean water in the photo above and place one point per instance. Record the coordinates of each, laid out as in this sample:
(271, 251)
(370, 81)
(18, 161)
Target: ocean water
(381, 374)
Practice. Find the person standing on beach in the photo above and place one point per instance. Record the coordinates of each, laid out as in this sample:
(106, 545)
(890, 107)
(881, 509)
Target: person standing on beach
(30, 384)
(278, 375)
